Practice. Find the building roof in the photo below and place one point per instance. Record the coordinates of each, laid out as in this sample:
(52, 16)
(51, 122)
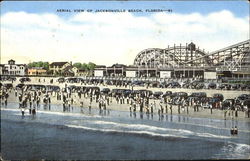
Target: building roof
(38, 68)
(11, 60)
(68, 68)
(100, 66)
(14, 64)
(118, 65)
(20, 64)
(58, 63)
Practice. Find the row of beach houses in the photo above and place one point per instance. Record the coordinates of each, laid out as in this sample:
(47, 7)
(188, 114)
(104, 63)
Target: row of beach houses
(55, 68)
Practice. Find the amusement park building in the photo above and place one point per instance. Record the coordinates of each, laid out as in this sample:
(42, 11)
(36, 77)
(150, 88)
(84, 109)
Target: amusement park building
(186, 61)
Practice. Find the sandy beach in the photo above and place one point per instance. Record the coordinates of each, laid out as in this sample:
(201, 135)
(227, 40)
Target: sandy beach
(218, 114)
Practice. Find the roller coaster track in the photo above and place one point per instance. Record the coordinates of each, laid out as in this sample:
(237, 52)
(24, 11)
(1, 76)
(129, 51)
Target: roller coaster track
(242, 50)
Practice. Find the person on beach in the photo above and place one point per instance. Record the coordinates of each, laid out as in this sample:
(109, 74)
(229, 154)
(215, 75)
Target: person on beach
(64, 107)
(147, 110)
(134, 107)
(15, 92)
(179, 110)
(22, 111)
(236, 112)
(49, 100)
(20, 97)
(100, 104)
(127, 100)
(235, 130)
(194, 105)
(211, 108)
(151, 108)
(198, 104)
(161, 107)
(6, 100)
(225, 114)
(90, 106)
(159, 111)
(38, 102)
(30, 102)
(166, 108)
(33, 111)
(107, 98)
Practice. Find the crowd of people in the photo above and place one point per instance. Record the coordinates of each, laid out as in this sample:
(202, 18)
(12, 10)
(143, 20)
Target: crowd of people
(85, 97)
(137, 102)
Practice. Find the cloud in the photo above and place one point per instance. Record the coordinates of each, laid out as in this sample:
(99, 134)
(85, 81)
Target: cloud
(108, 38)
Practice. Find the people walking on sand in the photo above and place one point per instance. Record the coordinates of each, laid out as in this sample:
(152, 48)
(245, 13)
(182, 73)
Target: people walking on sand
(179, 110)
(170, 107)
(197, 105)
(30, 110)
(33, 111)
(161, 107)
(30, 102)
(5, 101)
(20, 97)
(127, 98)
(194, 105)
(225, 114)
(90, 106)
(64, 106)
(15, 92)
(159, 110)
(147, 110)
(151, 108)
(100, 103)
(104, 105)
(107, 100)
(22, 111)
(236, 112)
(166, 108)
(49, 99)
(134, 107)
(154, 105)
(38, 101)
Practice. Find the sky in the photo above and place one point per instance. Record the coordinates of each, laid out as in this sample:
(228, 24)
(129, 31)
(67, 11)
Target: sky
(37, 31)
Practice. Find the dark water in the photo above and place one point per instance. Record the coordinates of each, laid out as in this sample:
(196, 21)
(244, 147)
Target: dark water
(81, 134)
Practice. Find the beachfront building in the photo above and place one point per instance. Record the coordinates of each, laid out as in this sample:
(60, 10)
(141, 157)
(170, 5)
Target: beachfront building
(113, 71)
(69, 71)
(1, 69)
(58, 68)
(38, 71)
(79, 72)
(13, 69)
(186, 61)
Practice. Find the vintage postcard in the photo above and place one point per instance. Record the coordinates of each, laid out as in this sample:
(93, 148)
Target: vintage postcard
(125, 80)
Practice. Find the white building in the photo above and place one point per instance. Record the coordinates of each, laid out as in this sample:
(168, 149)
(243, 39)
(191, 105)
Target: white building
(1, 69)
(13, 69)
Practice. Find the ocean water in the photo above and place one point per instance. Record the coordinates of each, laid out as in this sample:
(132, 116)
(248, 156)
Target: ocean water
(105, 135)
